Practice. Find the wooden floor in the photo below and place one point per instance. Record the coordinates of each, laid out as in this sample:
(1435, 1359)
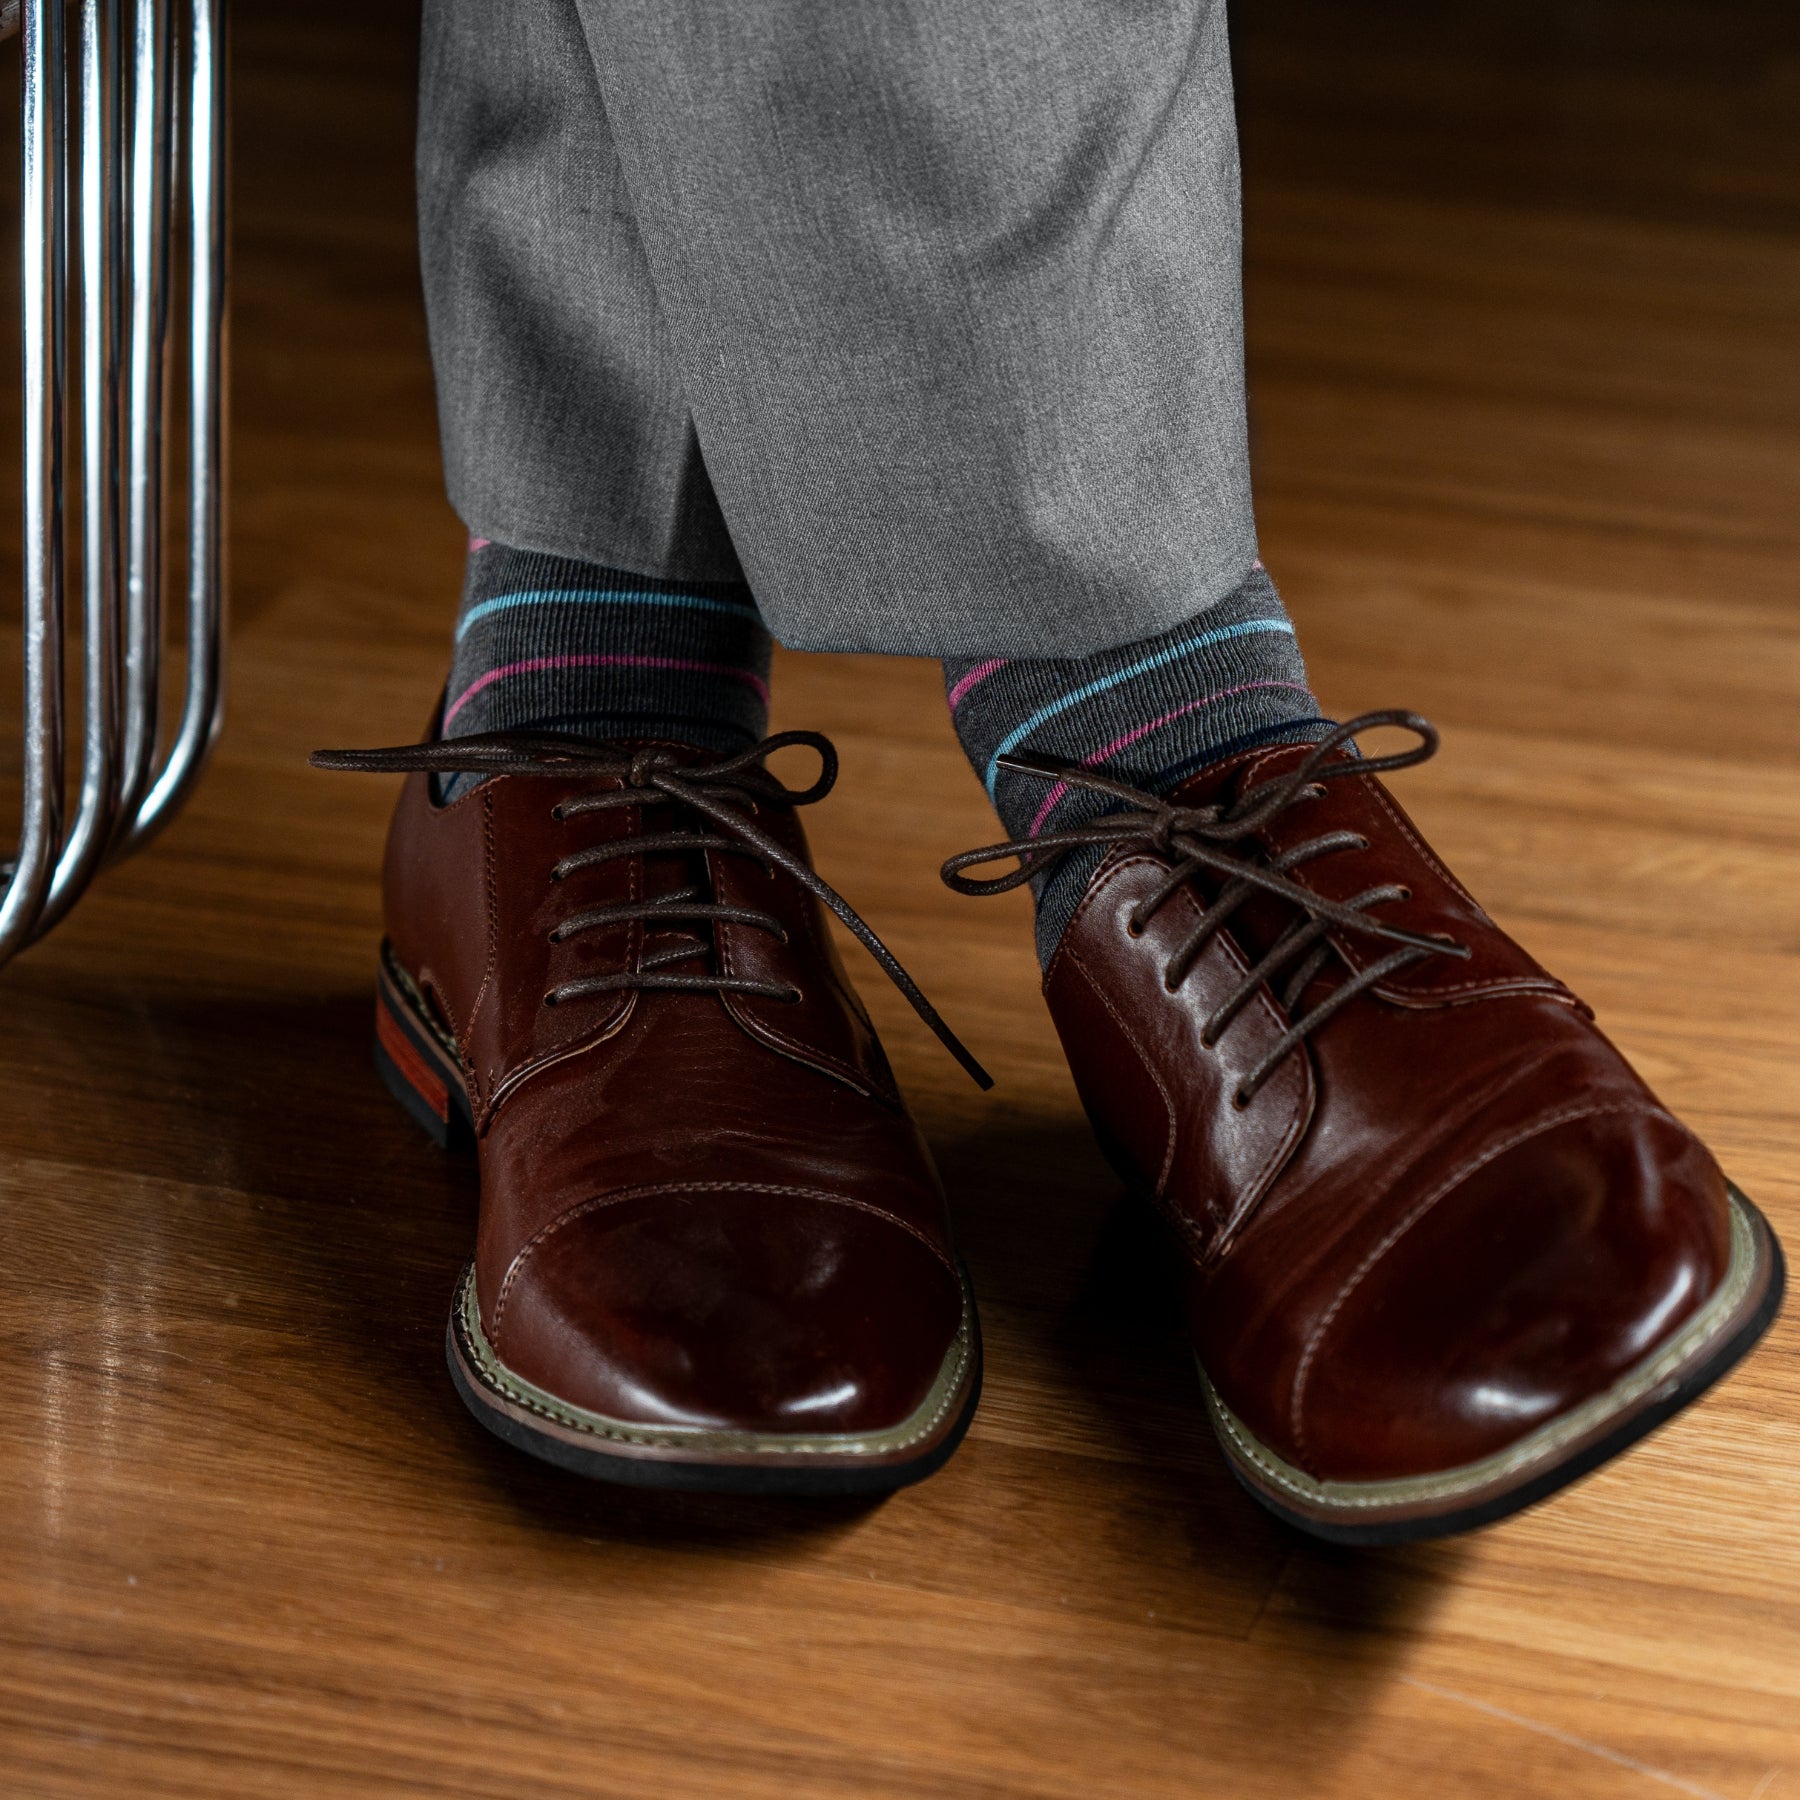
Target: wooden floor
(1523, 289)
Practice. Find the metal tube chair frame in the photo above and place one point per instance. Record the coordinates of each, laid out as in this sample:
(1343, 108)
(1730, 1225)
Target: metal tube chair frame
(100, 202)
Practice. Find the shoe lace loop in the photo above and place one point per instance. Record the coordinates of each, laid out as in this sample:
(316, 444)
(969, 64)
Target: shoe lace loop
(1210, 840)
(722, 792)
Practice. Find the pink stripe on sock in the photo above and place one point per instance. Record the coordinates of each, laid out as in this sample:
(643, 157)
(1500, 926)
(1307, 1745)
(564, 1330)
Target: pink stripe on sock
(476, 543)
(980, 672)
(533, 664)
(1143, 731)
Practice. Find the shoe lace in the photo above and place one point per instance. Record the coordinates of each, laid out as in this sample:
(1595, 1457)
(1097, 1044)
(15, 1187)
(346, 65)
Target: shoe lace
(1210, 840)
(717, 791)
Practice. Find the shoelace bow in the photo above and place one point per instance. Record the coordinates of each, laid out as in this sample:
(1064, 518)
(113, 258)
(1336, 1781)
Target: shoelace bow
(1209, 838)
(650, 777)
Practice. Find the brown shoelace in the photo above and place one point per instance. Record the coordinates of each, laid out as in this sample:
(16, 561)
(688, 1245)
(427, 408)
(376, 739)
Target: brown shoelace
(1210, 839)
(716, 791)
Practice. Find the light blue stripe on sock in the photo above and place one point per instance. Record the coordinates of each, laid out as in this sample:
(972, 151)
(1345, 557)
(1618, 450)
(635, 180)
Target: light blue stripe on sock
(601, 597)
(1173, 654)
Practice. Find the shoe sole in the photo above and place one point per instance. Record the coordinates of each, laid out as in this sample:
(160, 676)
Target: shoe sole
(1409, 1509)
(419, 1066)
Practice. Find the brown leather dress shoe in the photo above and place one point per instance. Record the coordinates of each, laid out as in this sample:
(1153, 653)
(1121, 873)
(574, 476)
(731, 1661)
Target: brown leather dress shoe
(713, 1250)
(1443, 1251)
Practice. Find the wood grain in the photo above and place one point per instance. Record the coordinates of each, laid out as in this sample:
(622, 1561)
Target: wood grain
(1527, 420)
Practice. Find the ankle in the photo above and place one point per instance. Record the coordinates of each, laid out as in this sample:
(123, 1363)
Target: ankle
(546, 643)
(1151, 713)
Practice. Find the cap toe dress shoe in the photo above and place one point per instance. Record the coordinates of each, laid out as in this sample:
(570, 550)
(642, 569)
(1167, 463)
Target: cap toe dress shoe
(1442, 1249)
(713, 1251)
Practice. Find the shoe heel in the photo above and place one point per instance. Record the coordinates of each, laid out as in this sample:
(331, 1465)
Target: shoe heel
(416, 1069)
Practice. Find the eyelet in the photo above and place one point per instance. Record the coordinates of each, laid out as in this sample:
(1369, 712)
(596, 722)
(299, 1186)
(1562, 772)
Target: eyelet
(1240, 1100)
(550, 999)
(557, 813)
(1405, 893)
(793, 997)
(553, 937)
(1133, 929)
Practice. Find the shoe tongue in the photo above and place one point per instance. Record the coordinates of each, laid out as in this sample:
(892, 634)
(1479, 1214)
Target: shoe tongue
(1221, 782)
(455, 785)
(685, 752)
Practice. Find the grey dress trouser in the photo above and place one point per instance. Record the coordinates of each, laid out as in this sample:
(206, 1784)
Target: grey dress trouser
(923, 315)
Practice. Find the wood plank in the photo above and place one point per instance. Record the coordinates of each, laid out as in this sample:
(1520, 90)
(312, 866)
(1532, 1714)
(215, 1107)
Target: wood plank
(1526, 428)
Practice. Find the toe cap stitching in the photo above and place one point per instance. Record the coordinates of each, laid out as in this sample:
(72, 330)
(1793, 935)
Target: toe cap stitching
(1315, 1340)
(580, 1210)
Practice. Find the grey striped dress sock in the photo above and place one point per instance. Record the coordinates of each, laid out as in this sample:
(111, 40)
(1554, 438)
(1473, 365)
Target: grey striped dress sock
(547, 643)
(1152, 713)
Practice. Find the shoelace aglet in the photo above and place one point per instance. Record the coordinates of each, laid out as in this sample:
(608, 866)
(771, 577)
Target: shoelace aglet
(965, 1056)
(1437, 944)
(1042, 767)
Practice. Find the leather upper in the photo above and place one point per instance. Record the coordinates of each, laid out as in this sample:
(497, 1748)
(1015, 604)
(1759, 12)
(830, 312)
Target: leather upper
(697, 1208)
(1449, 1214)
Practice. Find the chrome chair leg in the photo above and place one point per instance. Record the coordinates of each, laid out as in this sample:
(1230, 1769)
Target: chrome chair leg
(108, 190)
